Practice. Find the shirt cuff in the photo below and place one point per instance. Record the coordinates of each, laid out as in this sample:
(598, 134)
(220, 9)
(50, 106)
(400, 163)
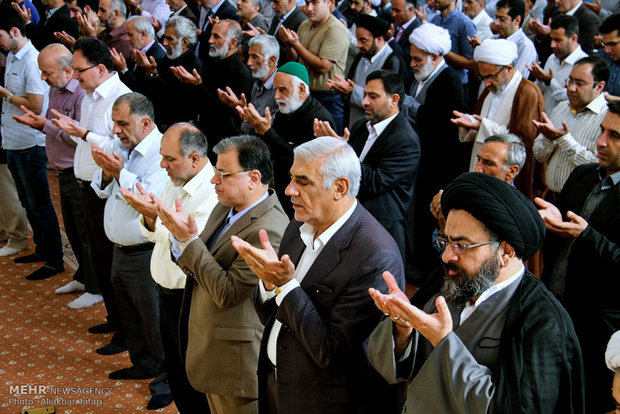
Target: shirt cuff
(407, 350)
(263, 294)
(285, 289)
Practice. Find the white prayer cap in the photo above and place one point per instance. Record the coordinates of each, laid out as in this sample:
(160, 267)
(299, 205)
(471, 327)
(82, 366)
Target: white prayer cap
(375, 3)
(499, 52)
(612, 355)
(431, 39)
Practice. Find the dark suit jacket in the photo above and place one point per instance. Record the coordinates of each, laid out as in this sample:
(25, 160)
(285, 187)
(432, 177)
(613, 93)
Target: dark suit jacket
(388, 174)
(226, 11)
(42, 34)
(403, 47)
(592, 277)
(189, 14)
(292, 22)
(322, 367)
(134, 77)
(224, 330)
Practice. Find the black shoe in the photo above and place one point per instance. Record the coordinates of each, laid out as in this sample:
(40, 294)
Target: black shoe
(45, 272)
(110, 349)
(159, 401)
(30, 258)
(102, 328)
(125, 373)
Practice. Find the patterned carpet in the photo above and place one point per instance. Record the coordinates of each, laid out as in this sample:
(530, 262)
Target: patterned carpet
(47, 356)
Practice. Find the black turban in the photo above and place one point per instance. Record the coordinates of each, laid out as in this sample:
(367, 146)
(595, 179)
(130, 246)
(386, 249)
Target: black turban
(500, 207)
(376, 26)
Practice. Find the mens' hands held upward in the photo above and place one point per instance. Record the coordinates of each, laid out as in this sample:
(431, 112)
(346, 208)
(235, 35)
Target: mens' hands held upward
(549, 130)
(254, 31)
(474, 41)
(289, 37)
(229, 98)
(341, 85)
(539, 29)
(466, 120)
(553, 220)
(110, 164)
(174, 220)
(142, 203)
(23, 11)
(264, 262)
(539, 73)
(324, 129)
(148, 64)
(86, 27)
(67, 124)
(30, 118)
(250, 115)
(434, 327)
(118, 60)
(184, 76)
(65, 38)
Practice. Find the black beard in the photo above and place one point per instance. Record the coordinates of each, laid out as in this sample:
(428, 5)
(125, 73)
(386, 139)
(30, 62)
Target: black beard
(459, 289)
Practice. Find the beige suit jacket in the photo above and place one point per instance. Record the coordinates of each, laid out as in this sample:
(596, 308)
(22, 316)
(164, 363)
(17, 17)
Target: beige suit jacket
(224, 332)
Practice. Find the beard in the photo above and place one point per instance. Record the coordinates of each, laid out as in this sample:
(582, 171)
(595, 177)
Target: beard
(261, 72)
(177, 50)
(459, 289)
(290, 104)
(425, 71)
(220, 52)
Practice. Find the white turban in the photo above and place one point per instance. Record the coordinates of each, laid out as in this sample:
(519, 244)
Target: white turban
(431, 39)
(375, 3)
(499, 52)
(612, 355)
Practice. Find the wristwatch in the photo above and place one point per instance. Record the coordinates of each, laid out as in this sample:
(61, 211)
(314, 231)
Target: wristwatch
(9, 96)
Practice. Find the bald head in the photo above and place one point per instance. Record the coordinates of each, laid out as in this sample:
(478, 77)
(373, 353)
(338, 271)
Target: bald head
(55, 63)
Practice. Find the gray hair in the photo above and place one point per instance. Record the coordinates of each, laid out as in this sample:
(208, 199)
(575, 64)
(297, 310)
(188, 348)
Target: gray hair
(233, 29)
(142, 24)
(268, 45)
(339, 160)
(191, 139)
(139, 105)
(516, 149)
(120, 6)
(184, 28)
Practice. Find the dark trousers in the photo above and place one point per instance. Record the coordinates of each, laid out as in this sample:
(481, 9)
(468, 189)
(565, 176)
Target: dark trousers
(29, 171)
(138, 307)
(72, 207)
(102, 253)
(332, 101)
(186, 398)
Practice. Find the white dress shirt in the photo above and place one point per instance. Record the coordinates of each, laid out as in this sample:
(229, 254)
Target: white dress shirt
(526, 52)
(97, 118)
(314, 247)
(373, 133)
(483, 28)
(120, 221)
(197, 198)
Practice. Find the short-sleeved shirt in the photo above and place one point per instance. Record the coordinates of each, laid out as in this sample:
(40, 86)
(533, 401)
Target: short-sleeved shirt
(22, 76)
(460, 27)
(329, 41)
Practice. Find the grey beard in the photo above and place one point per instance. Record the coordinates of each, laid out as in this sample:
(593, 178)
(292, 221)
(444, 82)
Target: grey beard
(460, 289)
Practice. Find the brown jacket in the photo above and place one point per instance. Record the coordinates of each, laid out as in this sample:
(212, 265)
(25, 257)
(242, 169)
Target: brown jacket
(224, 330)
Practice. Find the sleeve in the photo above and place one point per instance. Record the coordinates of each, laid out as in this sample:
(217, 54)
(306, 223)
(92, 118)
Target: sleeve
(600, 248)
(334, 43)
(356, 96)
(489, 127)
(96, 185)
(102, 139)
(543, 148)
(227, 286)
(578, 153)
(53, 131)
(410, 109)
(558, 90)
(381, 353)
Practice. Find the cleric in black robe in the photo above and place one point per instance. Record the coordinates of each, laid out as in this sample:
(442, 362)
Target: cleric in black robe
(493, 339)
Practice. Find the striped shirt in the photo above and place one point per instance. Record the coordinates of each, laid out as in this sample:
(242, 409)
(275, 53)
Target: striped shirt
(575, 148)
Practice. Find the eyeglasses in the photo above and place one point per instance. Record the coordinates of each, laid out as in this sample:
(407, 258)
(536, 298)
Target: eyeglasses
(578, 83)
(483, 78)
(84, 70)
(224, 174)
(458, 247)
(611, 44)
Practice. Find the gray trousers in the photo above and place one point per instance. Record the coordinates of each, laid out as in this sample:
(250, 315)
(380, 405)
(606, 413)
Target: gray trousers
(12, 215)
(138, 308)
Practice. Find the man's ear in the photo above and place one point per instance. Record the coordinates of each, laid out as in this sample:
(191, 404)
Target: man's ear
(341, 188)
(507, 252)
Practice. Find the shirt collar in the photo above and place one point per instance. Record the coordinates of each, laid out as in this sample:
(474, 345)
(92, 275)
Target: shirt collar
(307, 231)
(105, 88)
(269, 82)
(232, 216)
(147, 47)
(217, 7)
(572, 11)
(406, 25)
(26, 48)
(203, 175)
(283, 18)
(597, 104)
(380, 126)
(615, 178)
(72, 86)
(385, 49)
(119, 30)
(574, 56)
(516, 35)
(479, 16)
(50, 12)
(499, 286)
(143, 146)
